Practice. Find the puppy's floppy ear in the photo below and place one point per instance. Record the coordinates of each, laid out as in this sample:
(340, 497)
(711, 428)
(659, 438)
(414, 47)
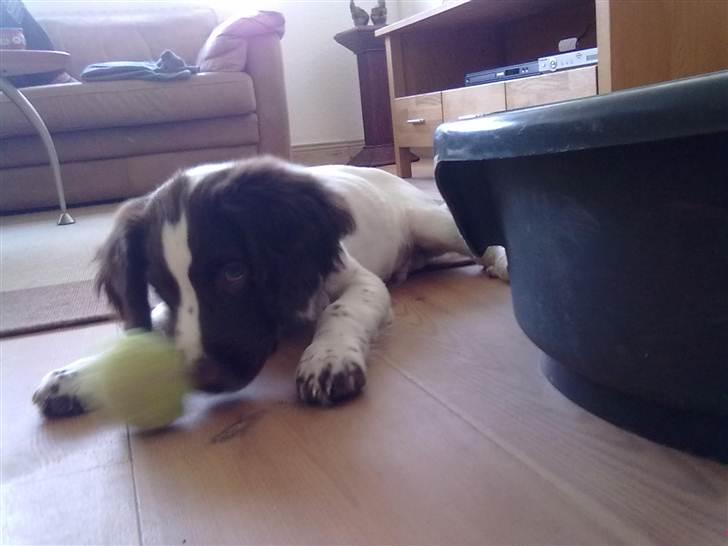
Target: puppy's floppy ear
(291, 226)
(122, 259)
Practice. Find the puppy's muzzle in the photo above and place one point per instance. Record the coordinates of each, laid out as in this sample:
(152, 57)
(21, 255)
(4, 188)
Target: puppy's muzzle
(209, 376)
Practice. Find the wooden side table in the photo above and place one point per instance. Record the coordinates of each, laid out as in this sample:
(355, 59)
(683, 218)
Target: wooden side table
(20, 62)
(375, 105)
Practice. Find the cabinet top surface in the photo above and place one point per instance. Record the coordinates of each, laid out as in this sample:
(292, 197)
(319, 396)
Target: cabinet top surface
(465, 12)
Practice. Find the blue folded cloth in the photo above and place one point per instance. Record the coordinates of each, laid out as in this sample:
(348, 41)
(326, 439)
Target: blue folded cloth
(168, 67)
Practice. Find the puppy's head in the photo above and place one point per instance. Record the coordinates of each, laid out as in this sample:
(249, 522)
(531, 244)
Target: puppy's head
(235, 250)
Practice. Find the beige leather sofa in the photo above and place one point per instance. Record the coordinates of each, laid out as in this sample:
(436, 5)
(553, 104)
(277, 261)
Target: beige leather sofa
(122, 138)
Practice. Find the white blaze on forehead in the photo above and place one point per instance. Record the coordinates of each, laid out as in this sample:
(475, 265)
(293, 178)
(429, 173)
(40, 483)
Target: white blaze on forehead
(197, 174)
(178, 256)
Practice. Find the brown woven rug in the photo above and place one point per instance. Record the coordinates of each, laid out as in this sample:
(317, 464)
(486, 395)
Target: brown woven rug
(50, 307)
(75, 303)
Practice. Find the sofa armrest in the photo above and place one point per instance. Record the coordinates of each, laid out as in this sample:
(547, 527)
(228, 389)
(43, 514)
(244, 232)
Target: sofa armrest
(225, 50)
(251, 43)
(265, 66)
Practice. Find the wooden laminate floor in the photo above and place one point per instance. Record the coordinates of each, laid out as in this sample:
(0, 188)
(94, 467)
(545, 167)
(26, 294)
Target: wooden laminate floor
(458, 440)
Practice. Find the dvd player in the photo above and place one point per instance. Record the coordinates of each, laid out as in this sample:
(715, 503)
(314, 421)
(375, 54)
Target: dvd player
(502, 74)
(572, 59)
(552, 63)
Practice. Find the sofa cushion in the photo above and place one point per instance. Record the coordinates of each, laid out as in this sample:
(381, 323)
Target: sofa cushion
(226, 48)
(124, 31)
(26, 188)
(112, 142)
(95, 105)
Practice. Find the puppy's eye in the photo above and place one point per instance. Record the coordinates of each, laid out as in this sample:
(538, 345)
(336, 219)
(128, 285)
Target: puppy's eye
(233, 272)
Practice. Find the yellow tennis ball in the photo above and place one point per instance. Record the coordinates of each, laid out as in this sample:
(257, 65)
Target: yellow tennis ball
(142, 380)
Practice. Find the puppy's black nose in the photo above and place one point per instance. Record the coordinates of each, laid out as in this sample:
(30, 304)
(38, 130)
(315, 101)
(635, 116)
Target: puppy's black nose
(210, 376)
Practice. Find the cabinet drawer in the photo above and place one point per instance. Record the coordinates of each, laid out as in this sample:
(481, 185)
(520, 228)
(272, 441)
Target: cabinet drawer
(416, 118)
(471, 102)
(569, 84)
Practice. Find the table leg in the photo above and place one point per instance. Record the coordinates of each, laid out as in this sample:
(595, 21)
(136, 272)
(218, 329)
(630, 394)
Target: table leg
(34, 118)
(403, 158)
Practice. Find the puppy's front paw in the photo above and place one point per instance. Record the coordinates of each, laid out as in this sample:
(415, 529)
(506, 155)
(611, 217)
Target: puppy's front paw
(495, 262)
(65, 393)
(57, 395)
(328, 373)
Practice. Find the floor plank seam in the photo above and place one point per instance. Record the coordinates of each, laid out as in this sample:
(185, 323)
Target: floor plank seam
(595, 510)
(439, 401)
(135, 489)
(51, 475)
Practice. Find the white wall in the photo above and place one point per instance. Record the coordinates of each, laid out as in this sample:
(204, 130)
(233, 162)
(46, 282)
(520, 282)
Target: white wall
(407, 8)
(321, 76)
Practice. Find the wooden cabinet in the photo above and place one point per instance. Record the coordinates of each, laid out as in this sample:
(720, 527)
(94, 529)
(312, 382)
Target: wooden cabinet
(566, 85)
(640, 42)
(472, 102)
(416, 118)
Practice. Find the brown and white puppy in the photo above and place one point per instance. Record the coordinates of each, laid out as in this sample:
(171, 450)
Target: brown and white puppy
(239, 251)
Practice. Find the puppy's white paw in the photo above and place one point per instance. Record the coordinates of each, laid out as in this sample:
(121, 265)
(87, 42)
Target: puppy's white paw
(330, 372)
(56, 395)
(66, 392)
(495, 262)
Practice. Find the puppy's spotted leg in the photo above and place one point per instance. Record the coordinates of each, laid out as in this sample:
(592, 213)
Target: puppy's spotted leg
(68, 391)
(333, 367)
(72, 390)
(434, 230)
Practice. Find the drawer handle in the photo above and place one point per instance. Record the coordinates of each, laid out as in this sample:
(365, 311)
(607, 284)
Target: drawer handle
(470, 116)
(416, 121)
